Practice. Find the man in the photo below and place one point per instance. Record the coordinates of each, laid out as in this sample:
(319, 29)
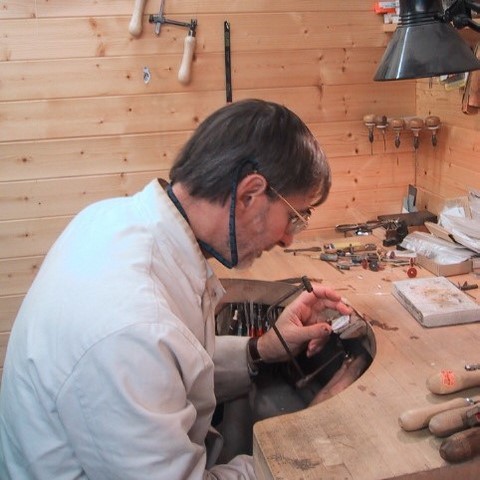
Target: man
(113, 369)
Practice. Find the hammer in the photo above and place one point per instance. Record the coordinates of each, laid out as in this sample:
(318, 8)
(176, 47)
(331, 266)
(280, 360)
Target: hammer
(189, 44)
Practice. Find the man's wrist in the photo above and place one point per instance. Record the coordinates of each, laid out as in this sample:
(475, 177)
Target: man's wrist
(254, 360)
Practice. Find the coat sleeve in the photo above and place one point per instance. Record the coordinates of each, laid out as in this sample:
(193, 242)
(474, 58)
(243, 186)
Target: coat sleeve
(138, 404)
(231, 372)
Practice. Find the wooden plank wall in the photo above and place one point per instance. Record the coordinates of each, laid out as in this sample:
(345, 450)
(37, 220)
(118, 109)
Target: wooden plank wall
(78, 123)
(449, 170)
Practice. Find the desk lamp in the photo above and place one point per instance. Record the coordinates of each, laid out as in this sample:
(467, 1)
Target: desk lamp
(426, 42)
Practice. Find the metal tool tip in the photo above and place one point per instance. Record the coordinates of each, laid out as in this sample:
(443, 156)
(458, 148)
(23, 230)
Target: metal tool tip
(307, 284)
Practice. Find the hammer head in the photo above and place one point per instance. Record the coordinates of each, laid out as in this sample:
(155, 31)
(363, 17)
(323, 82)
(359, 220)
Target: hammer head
(158, 19)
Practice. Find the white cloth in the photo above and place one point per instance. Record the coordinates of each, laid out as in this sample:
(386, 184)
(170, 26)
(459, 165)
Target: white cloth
(109, 371)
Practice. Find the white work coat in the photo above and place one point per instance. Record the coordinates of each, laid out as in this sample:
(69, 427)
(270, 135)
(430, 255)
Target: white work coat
(110, 365)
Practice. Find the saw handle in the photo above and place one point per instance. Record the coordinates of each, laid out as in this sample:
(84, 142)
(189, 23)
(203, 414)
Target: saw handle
(135, 25)
(451, 381)
(418, 418)
(184, 71)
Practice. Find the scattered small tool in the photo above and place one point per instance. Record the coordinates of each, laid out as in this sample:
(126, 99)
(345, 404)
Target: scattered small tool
(304, 249)
(184, 71)
(412, 271)
(472, 366)
(467, 286)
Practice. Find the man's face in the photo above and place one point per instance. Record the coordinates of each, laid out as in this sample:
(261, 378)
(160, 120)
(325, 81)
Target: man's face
(269, 225)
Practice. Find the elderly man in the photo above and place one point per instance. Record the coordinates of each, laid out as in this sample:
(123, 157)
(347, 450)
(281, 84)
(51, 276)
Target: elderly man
(113, 369)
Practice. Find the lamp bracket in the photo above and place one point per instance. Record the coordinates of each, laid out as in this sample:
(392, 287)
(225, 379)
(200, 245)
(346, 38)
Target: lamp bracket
(460, 14)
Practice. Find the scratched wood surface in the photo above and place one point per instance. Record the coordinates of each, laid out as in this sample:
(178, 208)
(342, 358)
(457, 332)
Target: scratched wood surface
(355, 435)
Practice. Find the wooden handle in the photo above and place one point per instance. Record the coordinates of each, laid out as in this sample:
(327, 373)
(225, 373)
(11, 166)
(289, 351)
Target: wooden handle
(432, 121)
(369, 119)
(418, 418)
(186, 65)
(415, 123)
(451, 381)
(398, 123)
(446, 423)
(461, 446)
(135, 26)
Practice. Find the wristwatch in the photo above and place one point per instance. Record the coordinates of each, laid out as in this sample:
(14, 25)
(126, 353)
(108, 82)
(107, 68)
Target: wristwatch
(254, 360)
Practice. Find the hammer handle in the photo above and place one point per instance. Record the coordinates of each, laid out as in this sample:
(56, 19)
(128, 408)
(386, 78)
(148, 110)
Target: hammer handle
(185, 67)
(135, 26)
(418, 418)
(450, 381)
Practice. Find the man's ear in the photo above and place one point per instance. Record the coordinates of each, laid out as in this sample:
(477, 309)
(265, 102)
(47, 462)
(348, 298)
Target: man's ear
(250, 188)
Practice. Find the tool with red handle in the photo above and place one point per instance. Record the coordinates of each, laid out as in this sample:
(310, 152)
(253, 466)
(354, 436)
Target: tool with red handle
(451, 381)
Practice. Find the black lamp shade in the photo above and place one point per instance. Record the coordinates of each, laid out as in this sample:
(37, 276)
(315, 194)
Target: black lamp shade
(424, 46)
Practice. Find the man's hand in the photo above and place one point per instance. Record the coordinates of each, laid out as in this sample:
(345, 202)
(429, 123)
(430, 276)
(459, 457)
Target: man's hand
(302, 323)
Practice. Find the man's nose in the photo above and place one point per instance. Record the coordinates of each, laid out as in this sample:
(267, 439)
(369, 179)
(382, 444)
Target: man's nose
(285, 241)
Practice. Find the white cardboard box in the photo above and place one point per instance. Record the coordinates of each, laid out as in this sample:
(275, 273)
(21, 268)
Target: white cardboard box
(436, 302)
(444, 270)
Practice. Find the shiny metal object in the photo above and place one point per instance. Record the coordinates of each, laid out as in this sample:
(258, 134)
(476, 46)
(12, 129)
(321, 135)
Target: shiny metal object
(425, 43)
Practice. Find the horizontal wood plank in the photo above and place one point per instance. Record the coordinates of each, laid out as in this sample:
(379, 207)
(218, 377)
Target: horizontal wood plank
(16, 275)
(39, 120)
(89, 156)
(67, 196)
(20, 238)
(62, 8)
(9, 305)
(28, 160)
(113, 76)
(81, 37)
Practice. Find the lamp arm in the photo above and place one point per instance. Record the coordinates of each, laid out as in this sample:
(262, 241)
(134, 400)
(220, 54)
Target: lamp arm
(473, 25)
(473, 6)
(460, 14)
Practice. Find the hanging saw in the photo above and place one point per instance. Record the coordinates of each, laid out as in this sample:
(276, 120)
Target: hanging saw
(184, 71)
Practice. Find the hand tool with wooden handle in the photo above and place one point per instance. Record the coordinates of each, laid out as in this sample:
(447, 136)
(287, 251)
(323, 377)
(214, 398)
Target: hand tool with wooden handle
(461, 446)
(184, 72)
(398, 124)
(369, 121)
(453, 421)
(418, 418)
(451, 381)
(135, 25)
(381, 122)
(432, 122)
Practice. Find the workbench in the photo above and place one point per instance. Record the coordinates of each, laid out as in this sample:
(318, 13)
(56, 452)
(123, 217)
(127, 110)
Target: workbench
(355, 434)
